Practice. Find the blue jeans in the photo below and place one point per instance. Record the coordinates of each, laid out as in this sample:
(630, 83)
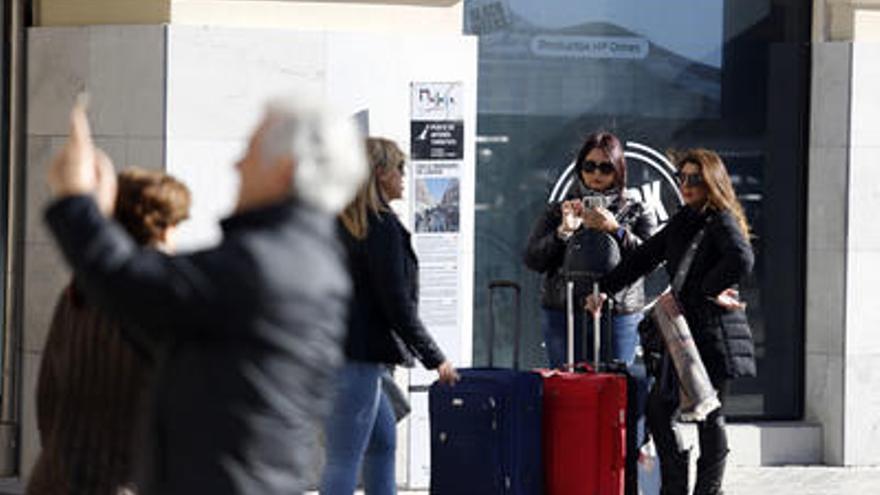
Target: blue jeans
(361, 427)
(624, 337)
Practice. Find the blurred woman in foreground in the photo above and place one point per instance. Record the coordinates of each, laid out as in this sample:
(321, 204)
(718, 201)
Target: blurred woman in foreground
(92, 379)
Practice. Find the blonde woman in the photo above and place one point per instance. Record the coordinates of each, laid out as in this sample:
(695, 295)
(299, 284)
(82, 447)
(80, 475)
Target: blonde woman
(708, 299)
(384, 329)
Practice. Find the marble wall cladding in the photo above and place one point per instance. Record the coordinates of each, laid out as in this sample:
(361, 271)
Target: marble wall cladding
(828, 186)
(824, 402)
(862, 314)
(207, 167)
(123, 70)
(864, 194)
(862, 429)
(121, 67)
(58, 67)
(219, 79)
(827, 216)
(825, 301)
(793, 443)
(772, 444)
(831, 94)
(126, 80)
(46, 275)
(827, 210)
(146, 153)
(40, 150)
(865, 96)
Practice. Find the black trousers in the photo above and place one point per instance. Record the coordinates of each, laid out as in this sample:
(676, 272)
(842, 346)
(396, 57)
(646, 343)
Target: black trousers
(674, 459)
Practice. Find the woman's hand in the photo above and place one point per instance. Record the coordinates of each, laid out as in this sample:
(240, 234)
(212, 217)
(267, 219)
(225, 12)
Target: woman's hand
(600, 219)
(106, 187)
(447, 373)
(594, 303)
(729, 300)
(80, 167)
(571, 217)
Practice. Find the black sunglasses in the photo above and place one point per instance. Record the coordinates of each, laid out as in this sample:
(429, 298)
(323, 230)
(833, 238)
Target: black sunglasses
(692, 180)
(605, 168)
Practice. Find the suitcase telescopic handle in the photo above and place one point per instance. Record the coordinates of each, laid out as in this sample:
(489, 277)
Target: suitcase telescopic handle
(597, 330)
(517, 328)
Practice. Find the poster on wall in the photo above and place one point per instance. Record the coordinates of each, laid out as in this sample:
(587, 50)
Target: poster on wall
(436, 122)
(437, 156)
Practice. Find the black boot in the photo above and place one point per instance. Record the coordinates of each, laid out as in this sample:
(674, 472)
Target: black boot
(710, 475)
(713, 455)
(674, 467)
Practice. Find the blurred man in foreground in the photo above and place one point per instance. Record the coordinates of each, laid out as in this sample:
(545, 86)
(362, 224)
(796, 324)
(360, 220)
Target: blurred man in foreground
(249, 332)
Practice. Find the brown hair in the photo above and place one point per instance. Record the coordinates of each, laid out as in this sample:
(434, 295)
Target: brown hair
(382, 154)
(610, 144)
(148, 202)
(721, 195)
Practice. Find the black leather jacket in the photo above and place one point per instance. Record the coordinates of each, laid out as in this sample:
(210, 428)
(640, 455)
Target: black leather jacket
(545, 251)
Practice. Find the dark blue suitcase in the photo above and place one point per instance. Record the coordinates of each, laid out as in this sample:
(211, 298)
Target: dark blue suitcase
(486, 430)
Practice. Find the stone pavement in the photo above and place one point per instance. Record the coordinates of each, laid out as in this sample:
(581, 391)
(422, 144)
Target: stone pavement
(803, 480)
(793, 480)
(787, 480)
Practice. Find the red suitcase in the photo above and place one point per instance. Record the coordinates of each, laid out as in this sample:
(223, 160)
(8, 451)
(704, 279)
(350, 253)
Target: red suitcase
(584, 426)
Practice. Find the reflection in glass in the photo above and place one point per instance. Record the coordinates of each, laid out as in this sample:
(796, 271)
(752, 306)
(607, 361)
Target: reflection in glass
(731, 76)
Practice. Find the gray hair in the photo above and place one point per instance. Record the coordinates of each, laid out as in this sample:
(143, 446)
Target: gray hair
(328, 151)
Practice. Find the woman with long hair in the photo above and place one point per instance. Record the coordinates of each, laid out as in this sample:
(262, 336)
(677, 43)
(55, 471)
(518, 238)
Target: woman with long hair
(384, 330)
(709, 301)
(93, 379)
(601, 175)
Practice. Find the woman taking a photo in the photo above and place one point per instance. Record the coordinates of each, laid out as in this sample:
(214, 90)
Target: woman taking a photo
(384, 330)
(601, 174)
(708, 300)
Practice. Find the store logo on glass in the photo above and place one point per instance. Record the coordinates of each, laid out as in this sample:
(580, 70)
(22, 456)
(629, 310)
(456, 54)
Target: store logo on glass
(650, 177)
(603, 47)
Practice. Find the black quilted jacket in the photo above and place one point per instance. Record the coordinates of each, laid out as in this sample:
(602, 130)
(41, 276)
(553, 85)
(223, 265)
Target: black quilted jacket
(722, 260)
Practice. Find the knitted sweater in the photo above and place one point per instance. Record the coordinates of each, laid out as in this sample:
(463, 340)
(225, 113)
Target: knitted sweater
(89, 392)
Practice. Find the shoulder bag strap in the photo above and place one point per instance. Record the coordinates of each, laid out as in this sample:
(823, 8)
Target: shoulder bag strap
(685, 265)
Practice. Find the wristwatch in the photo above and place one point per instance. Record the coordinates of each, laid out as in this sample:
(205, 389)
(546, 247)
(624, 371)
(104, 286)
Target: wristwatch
(621, 233)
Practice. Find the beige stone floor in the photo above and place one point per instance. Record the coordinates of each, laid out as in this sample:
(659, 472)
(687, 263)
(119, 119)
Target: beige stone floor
(793, 480)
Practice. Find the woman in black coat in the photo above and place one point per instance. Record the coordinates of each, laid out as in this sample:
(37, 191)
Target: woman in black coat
(709, 302)
(384, 330)
(601, 176)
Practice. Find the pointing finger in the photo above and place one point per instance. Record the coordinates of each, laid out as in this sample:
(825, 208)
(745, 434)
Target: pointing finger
(80, 131)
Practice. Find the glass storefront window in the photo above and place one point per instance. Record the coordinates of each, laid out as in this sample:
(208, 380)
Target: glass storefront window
(732, 76)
